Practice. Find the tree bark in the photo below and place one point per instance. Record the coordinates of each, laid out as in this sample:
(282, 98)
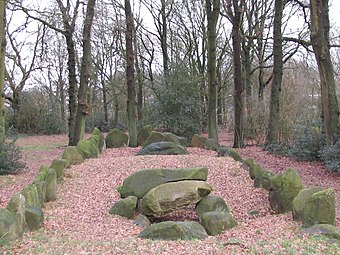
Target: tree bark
(320, 41)
(2, 67)
(83, 108)
(274, 111)
(130, 76)
(236, 16)
(213, 11)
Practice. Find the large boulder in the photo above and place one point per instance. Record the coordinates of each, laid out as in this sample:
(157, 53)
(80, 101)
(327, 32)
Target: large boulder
(116, 139)
(59, 166)
(88, 148)
(34, 217)
(72, 155)
(51, 185)
(299, 202)
(327, 230)
(155, 137)
(170, 230)
(209, 204)
(163, 148)
(126, 207)
(170, 137)
(284, 188)
(143, 134)
(172, 196)
(17, 207)
(8, 225)
(320, 209)
(141, 182)
(211, 144)
(216, 222)
(99, 138)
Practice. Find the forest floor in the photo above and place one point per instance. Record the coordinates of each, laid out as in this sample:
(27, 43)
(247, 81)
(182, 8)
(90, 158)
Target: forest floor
(79, 222)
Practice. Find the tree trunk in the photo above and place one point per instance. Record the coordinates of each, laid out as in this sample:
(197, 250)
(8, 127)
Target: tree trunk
(2, 67)
(83, 107)
(139, 84)
(320, 42)
(238, 81)
(213, 11)
(130, 76)
(274, 110)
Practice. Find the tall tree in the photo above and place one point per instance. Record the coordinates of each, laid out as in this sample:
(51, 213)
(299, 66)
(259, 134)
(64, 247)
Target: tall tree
(234, 10)
(213, 11)
(130, 76)
(274, 110)
(319, 16)
(2, 67)
(83, 107)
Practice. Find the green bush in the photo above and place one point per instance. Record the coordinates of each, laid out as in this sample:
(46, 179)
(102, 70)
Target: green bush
(307, 145)
(331, 157)
(10, 156)
(179, 106)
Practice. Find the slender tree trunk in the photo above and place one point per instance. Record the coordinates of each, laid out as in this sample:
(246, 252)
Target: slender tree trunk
(238, 81)
(83, 107)
(320, 42)
(2, 67)
(106, 114)
(164, 42)
(274, 110)
(130, 76)
(213, 11)
(139, 84)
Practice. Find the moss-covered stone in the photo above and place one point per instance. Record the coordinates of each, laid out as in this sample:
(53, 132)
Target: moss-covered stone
(88, 149)
(327, 230)
(299, 202)
(211, 144)
(251, 166)
(99, 137)
(170, 230)
(229, 152)
(163, 148)
(16, 206)
(116, 139)
(72, 155)
(126, 207)
(51, 185)
(59, 166)
(141, 182)
(155, 137)
(143, 134)
(198, 141)
(262, 179)
(8, 225)
(31, 195)
(320, 208)
(170, 137)
(34, 217)
(211, 203)
(284, 188)
(216, 222)
(172, 196)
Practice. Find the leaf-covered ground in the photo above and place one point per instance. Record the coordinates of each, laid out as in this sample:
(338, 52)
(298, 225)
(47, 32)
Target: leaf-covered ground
(79, 222)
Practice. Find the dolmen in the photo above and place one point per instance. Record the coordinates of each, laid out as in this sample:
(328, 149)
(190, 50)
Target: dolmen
(150, 194)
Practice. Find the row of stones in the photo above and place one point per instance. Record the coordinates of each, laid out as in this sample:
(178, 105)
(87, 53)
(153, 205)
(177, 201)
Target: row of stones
(314, 207)
(24, 210)
(160, 192)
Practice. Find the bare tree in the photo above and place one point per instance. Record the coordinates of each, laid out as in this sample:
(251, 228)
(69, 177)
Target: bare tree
(2, 67)
(130, 76)
(213, 11)
(319, 17)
